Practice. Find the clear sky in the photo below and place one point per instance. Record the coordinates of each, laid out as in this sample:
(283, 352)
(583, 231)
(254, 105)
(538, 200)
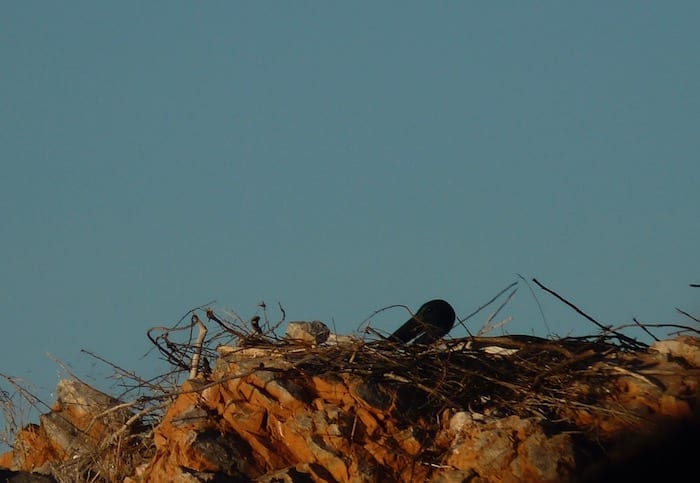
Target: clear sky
(337, 158)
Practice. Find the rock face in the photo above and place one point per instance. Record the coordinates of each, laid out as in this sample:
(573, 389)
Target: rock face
(545, 411)
(80, 436)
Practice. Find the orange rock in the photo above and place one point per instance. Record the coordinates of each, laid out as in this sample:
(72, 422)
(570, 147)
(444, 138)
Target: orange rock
(674, 407)
(32, 451)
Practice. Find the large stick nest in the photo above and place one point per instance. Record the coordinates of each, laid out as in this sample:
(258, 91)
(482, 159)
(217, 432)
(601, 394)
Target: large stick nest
(554, 379)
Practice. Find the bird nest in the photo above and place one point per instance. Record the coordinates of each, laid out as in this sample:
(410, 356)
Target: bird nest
(572, 381)
(567, 381)
(554, 380)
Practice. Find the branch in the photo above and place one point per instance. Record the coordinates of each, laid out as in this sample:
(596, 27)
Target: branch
(604, 328)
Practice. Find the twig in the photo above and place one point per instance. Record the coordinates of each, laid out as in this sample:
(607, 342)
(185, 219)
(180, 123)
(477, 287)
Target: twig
(579, 311)
(65, 368)
(212, 316)
(483, 306)
(642, 326)
(605, 329)
(33, 400)
(688, 315)
(382, 310)
(487, 327)
(537, 301)
(677, 326)
(129, 374)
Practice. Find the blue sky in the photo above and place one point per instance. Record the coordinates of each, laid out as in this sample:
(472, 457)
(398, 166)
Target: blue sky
(338, 158)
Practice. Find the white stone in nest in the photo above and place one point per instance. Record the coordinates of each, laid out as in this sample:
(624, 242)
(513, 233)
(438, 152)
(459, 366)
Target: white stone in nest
(337, 339)
(315, 332)
(464, 419)
(683, 346)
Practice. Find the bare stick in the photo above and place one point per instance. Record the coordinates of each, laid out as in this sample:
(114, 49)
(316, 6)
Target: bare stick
(479, 309)
(198, 345)
(675, 326)
(487, 326)
(687, 314)
(609, 329)
(537, 301)
(123, 372)
(212, 316)
(579, 311)
(642, 326)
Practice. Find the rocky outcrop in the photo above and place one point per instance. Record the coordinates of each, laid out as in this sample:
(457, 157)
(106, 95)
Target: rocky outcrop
(483, 410)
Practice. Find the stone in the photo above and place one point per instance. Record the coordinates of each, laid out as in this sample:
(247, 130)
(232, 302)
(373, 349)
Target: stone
(685, 347)
(315, 332)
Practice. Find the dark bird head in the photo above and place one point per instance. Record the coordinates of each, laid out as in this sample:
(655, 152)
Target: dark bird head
(433, 321)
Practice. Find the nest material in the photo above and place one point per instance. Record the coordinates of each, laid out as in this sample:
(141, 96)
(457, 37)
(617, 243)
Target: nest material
(526, 376)
(568, 381)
